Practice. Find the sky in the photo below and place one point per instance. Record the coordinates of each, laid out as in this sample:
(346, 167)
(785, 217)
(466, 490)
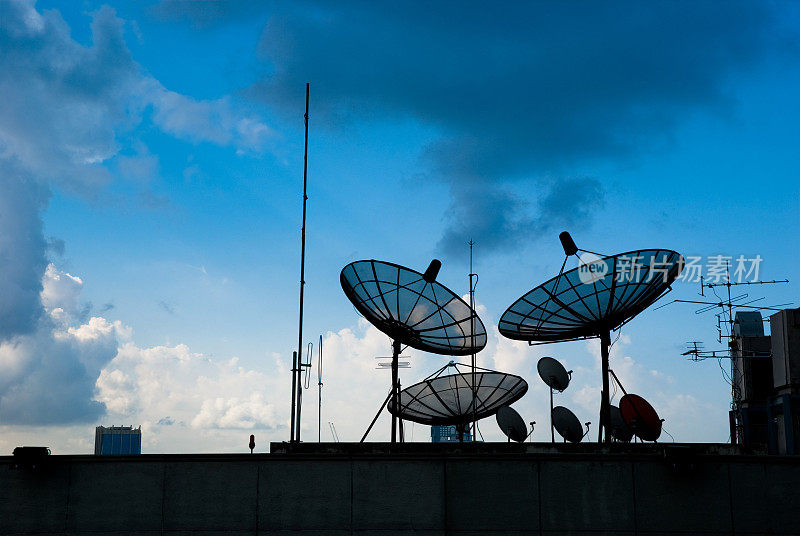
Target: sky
(151, 169)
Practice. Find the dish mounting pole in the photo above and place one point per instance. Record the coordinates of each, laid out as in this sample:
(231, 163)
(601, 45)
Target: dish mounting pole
(297, 383)
(552, 428)
(605, 406)
(395, 386)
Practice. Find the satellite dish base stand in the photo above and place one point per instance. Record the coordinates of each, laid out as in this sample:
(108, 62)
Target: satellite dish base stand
(552, 428)
(395, 385)
(380, 409)
(605, 409)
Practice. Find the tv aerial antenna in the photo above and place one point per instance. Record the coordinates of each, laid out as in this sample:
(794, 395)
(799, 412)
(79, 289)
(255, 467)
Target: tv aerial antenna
(599, 296)
(413, 309)
(725, 321)
(726, 306)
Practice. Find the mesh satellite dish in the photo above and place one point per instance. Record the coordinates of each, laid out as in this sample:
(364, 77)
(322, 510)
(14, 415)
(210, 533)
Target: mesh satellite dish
(640, 417)
(567, 424)
(599, 296)
(452, 399)
(414, 310)
(619, 430)
(511, 423)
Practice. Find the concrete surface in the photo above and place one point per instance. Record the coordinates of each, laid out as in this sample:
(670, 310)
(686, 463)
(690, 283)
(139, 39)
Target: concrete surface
(421, 490)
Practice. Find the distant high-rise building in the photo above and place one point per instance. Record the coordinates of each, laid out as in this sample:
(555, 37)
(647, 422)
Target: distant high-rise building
(448, 434)
(117, 440)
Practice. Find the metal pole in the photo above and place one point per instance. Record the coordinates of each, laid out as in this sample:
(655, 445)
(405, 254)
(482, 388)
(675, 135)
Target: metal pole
(552, 428)
(294, 393)
(472, 342)
(319, 410)
(605, 408)
(296, 374)
(388, 396)
(395, 394)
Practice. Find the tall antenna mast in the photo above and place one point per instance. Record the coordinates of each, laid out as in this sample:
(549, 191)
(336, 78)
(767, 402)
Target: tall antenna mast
(472, 337)
(297, 366)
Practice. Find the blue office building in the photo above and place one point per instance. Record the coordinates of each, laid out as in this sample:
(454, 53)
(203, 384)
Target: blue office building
(117, 440)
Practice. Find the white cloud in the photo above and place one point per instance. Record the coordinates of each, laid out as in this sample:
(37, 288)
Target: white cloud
(48, 375)
(216, 121)
(173, 392)
(68, 119)
(60, 292)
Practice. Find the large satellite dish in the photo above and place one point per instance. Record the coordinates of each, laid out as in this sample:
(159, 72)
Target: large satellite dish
(567, 424)
(414, 310)
(453, 399)
(640, 417)
(599, 296)
(511, 423)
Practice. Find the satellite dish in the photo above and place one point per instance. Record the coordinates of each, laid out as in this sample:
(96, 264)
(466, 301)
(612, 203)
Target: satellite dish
(512, 425)
(413, 309)
(597, 297)
(567, 424)
(553, 373)
(574, 305)
(452, 399)
(619, 430)
(640, 417)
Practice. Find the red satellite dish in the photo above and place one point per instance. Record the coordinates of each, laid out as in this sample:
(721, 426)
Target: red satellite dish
(640, 417)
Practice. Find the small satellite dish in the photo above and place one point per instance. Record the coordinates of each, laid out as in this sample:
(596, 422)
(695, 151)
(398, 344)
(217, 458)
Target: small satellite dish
(619, 430)
(640, 417)
(567, 424)
(511, 424)
(553, 373)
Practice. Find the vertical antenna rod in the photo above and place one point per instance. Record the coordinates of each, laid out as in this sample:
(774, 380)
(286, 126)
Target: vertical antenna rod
(296, 381)
(319, 384)
(472, 338)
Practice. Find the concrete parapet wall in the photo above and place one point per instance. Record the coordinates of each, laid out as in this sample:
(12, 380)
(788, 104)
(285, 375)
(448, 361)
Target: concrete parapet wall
(419, 490)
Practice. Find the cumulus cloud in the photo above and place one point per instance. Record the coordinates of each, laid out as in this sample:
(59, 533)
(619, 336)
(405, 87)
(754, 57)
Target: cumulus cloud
(47, 376)
(171, 386)
(215, 121)
(67, 120)
(22, 252)
(67, 107)
(520, 92)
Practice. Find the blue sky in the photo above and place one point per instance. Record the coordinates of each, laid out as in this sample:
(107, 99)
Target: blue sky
(151, 156)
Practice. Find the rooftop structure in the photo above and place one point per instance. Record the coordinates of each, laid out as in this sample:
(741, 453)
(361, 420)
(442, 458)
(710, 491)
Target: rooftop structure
(117, 440)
